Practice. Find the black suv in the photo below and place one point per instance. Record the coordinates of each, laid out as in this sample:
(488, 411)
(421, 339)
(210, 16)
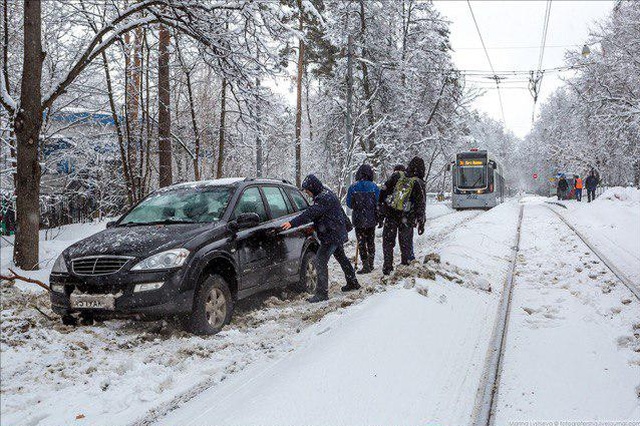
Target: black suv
(190, 250)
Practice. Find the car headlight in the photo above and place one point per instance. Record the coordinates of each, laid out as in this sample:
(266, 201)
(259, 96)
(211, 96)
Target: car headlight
(165, 260)
(60, 267)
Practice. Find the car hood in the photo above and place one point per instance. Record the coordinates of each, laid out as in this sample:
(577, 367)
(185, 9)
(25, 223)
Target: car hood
(142, 241)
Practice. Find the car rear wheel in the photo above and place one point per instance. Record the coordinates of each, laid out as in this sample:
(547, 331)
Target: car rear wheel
(212, 307)
(308, 281)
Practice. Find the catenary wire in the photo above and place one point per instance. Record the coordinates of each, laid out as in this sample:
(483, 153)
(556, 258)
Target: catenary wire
(504, 122)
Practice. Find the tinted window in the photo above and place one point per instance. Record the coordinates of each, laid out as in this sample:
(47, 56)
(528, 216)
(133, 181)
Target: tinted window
(180, 205)
(298, 199)
(251, 202)
(275, 199)
(290, 208)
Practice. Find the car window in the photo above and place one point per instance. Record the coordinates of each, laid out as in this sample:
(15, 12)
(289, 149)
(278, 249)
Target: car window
(290, 208)
(298, 199)
(275, 200)
(182, 205)
(251, 202)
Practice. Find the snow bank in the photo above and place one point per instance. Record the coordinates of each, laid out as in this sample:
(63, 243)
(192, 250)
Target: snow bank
(618, 193)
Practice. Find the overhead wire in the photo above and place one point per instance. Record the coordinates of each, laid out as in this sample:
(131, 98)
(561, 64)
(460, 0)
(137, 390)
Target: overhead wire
(484, 47)
(536, 79)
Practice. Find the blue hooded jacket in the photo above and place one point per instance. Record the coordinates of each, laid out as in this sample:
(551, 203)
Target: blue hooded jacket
(362, 197)
(326, 213)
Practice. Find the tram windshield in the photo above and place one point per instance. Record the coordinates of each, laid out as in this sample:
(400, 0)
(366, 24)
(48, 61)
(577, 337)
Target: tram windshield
(472, 177)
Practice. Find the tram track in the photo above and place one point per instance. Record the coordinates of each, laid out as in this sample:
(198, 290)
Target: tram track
(486, 396)
(622, 277)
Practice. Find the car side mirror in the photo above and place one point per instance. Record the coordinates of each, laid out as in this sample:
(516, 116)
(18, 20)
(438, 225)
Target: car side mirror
(244, 221)
(112, 223)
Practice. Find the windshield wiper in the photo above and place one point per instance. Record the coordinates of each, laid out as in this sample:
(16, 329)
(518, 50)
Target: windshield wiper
(159, 222)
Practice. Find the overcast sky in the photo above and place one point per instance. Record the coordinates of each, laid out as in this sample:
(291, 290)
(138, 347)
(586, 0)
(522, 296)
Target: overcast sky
(512, 32)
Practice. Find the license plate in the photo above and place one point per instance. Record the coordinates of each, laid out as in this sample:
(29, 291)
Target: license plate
(93, 301)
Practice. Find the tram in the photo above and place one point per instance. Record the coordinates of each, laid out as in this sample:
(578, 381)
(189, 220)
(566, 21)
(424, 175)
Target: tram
(477, 181)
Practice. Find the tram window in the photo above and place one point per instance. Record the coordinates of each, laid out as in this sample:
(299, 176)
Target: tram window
(471, 177)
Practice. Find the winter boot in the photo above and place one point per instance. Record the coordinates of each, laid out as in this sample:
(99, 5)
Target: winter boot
(387, 271)
(365, 269)
(353, 285)
(318, 297)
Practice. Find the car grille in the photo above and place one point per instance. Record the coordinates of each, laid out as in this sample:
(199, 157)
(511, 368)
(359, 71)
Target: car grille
(98, 265)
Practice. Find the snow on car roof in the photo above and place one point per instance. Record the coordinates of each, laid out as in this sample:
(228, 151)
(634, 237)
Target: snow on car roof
(210, 182)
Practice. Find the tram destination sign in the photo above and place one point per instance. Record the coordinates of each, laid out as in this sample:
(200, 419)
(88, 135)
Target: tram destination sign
(471, 162)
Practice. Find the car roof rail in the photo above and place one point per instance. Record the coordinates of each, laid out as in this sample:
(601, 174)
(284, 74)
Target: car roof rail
(253, 179)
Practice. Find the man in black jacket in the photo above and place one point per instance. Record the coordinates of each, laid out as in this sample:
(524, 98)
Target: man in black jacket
(591, 183)
(563, 188)
(329, 221)
(401, 214)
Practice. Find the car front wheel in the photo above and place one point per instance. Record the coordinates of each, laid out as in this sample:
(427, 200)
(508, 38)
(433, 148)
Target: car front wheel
(212, 307)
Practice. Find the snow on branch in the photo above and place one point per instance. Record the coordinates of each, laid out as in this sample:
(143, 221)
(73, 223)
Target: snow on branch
(103, 39)
(5, 98)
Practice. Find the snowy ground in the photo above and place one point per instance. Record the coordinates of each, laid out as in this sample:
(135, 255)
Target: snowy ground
(571, 353)
(405, 350)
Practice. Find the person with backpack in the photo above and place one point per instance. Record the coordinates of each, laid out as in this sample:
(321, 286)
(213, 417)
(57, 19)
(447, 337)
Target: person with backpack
(362, 198)
(578, 188)
(563, 187)
(330, 223)
(591, 183)
(402, 204)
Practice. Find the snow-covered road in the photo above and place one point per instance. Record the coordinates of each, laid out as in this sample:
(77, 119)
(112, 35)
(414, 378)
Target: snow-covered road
(406, 350)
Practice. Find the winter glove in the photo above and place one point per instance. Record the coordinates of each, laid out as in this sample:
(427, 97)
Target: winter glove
(420, 228)
(380, 222)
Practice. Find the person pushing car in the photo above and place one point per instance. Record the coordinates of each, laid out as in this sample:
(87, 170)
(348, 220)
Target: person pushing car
(330, 223)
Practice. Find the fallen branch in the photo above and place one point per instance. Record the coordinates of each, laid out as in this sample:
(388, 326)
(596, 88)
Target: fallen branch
(15, 276)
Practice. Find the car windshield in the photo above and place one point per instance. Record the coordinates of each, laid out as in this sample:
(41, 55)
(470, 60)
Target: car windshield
(185, 205)
(471, 177)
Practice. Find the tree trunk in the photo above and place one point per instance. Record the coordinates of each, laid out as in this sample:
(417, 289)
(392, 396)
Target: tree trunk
(116, 123)
(259, 159)
(164, 114)
(298, 170)
(371, 143)
(28, 123)
(223, 114)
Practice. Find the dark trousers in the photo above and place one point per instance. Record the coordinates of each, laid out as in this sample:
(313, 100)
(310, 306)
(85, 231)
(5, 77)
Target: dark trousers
(579, 194)
(367, 245)
(322, 264)
(404, 232)
(591, 194)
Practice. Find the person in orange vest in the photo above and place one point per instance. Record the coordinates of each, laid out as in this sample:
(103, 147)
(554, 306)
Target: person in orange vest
(579, 187)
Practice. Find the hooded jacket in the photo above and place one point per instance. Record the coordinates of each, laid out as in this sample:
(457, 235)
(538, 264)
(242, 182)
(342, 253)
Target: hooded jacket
(591, 182)
(327, 215)
(416, 215)
(362, 197)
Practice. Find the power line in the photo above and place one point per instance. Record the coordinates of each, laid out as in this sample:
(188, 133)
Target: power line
(535, 82)
(545, 29)
(548, 46)
(488, 60)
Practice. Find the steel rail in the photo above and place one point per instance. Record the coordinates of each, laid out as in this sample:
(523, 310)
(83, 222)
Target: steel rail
(604, 259)
(486, 396)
